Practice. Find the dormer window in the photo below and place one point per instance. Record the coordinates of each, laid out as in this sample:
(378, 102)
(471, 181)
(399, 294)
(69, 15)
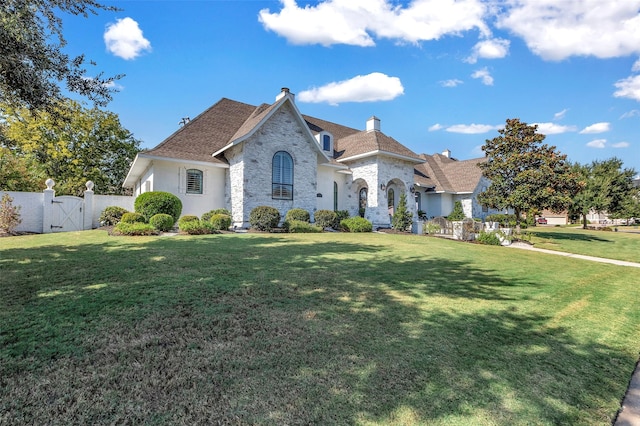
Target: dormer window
(326, 142)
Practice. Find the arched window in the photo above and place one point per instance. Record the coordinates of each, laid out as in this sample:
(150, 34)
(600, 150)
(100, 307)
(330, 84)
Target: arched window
(282, 176)
(362, 201)
(391, 200)
(335, 196)
(194, 181)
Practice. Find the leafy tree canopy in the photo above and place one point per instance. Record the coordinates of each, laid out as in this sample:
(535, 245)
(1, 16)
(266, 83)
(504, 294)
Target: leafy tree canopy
(526, 174)
(32, 63)
(72, 144)
(608, 187)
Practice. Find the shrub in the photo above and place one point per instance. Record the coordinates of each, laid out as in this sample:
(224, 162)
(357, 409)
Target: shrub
(457, 213)
(187, 218)
(151, 203)
(220, 221)
(340, 216)
(489, 238)
(431, 228)
(197, 227)
(162, 222)
(264, 218)
(207, 216)
(297, 214)
(326, 218)
(356, 224)
(112, 215)
(130, 217)
(9, 215)
(402, 218)
(505, 220)
(302, 227)
(134, 228)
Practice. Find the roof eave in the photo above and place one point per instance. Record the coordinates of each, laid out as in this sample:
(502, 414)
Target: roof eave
(142, 161)
(385, 153)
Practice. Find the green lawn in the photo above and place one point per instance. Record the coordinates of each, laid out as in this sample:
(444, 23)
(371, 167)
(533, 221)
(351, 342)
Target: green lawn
(612, 245)
(309, 329)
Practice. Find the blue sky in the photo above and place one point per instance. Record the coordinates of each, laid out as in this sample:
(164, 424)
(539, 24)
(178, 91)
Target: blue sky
(440, 74)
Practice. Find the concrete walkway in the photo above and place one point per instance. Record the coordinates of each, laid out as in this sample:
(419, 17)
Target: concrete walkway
(526, 246)
(629, 413)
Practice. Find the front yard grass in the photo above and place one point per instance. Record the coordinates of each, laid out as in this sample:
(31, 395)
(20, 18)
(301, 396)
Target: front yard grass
(309, 329)
(607, 244)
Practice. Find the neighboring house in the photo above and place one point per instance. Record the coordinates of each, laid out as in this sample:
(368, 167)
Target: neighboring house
(240, 156)
(561, 218)
(446, 180)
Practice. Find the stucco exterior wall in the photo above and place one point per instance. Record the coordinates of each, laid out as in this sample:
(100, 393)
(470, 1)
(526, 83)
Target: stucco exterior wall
(326, 177)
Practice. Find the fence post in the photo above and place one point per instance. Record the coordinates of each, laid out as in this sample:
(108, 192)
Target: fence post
(47, 212)
(88, 206)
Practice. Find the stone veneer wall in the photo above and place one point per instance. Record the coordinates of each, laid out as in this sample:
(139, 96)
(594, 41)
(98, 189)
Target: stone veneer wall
(251, 162)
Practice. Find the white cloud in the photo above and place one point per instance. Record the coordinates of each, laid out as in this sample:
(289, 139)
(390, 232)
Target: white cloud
(597, 143)
(484, 75)
(451, 83)
(636, 66)
(436, 127)
(556, 30)
(124, 39)
(495, 48)
(596, 128)
(477, 151)
(630, 114)
(554, 129)
(356, 22)
(560, 115)
(621, 145)
(472, 129)
(362, 88)
(628, 88)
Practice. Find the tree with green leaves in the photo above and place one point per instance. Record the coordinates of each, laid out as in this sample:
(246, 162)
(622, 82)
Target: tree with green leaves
(72, 144)
(32, 63)
(608, 187)
(526, 174)
(402, 218)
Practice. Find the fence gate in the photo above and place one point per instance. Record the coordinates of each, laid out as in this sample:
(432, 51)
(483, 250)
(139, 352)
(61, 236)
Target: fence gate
(67, 214)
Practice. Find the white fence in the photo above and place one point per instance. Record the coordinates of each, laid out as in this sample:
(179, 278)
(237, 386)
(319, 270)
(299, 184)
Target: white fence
(43, 212)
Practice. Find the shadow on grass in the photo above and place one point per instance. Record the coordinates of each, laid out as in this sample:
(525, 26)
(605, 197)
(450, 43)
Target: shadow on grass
(273, 331)
(571, 236)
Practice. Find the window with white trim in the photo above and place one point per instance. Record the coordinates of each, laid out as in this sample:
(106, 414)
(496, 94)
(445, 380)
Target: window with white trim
(194, 181)
(282, 176)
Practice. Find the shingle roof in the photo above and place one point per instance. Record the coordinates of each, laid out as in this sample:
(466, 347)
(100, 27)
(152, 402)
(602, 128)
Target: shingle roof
(447, 174)
(229, 120)
(205, 134)
(371, 141)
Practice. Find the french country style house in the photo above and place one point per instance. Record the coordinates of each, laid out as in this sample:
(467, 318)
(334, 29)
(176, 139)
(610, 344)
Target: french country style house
(239, 156)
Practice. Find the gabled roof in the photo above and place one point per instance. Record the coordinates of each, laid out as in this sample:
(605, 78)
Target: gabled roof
(445, 174)
(373, 142)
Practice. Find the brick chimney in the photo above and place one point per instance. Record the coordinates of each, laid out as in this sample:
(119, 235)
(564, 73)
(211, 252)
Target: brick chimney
(446, 153)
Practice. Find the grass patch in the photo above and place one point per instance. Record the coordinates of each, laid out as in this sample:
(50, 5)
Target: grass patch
(610, 245)
(309, 328)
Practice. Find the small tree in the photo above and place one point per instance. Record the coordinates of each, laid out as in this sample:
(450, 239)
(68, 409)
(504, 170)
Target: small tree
(457, 213)
(9, 215)
(402, 217)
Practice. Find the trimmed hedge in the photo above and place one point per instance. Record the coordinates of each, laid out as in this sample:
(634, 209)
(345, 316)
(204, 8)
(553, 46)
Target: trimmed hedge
(162, 222)
(207, 216)
(111, 215)
(302, 227)
(131, 217)
(134, 229)
(264, 218)
(488, 238)
(151, 203)
(197, 227)
(297, 214)
(356, 224)
(220, 221)
(187, 218)
(325, 218)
